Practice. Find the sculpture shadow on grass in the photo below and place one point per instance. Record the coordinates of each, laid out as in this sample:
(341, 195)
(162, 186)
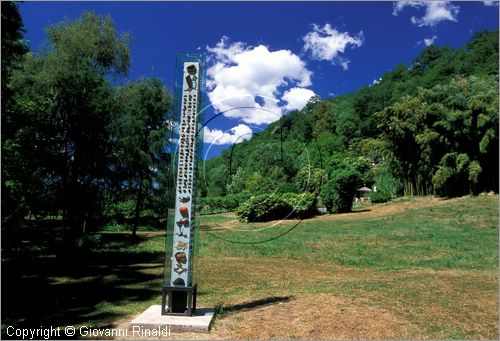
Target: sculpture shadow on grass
(256, 304)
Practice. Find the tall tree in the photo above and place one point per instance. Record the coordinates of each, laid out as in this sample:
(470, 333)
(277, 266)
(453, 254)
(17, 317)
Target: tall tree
(65, 101)
(13, 50)
(13, 46)
(141, 131)
(445, 139)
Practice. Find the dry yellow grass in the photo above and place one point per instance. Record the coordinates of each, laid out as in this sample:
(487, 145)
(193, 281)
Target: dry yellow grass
(350, 303)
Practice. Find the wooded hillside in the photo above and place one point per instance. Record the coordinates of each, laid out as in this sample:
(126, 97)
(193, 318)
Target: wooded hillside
(425, 128)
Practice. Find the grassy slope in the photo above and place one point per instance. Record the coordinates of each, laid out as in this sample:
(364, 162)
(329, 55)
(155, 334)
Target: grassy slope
(423, 268)
(430, 265)
(432, 234)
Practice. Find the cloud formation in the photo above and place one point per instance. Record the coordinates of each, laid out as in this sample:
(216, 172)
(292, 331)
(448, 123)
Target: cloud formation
(435, 11)
(326, 43)
(234, 135)
(430, 41)
(297, 98)
(247, 82)
(490, 3)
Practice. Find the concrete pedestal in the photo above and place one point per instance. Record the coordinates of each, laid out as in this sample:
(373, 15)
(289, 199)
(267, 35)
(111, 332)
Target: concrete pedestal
(152, 318)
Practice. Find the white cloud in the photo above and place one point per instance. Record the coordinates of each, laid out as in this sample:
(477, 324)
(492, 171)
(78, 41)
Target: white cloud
(345, 64)
(246, 82)
(435, 11)
(490, 3)
(326, 43)
(297, 98)
(430, 41)
(234, 135)
(398, 6)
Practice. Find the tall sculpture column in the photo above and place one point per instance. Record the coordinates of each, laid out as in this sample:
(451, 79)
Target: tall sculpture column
(179, 291)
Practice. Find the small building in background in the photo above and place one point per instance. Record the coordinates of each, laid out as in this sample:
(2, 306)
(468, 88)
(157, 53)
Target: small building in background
(363, 195)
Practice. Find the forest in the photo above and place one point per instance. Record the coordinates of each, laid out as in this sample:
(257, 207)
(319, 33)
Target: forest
(81, 147)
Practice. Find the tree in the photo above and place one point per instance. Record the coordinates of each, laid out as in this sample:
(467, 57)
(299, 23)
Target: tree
(13, 46)
(385, 185)
(65, 103)
(346, 175)
(323, 147)
(297, 125)
(482, 54)
(337, 194)
(429, 56)
(323, 118)
(347, 120)
(446, 135)
(399, 126)
(217, 179)
(237, 184)
(451, 177)
(13, 50)
(310, 179)
(140, 132)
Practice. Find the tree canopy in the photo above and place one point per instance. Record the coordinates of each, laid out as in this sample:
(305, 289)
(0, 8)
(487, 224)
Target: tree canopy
(76, 144)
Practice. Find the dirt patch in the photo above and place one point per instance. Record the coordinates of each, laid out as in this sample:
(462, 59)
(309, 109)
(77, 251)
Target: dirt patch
(373, 211)
(387, 209)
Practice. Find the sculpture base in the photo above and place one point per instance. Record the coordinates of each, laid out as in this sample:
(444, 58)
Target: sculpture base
(178, 300)
(152, 319)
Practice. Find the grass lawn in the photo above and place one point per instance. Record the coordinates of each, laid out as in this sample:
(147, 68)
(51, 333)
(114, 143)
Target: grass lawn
(416, 268)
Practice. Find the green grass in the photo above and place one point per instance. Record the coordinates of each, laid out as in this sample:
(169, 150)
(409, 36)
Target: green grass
(462, 235)
(418, 263)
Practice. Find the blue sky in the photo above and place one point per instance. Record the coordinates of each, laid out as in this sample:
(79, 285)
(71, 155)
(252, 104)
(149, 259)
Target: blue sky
(272, 56)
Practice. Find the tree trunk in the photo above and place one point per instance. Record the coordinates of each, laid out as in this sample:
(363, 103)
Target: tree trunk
(137, 211)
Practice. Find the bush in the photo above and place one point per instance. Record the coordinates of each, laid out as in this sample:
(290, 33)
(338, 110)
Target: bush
(120, 211)
(455, 175)
(338, 192)
(226, 203)
(380, 196)
(274, 206)
(310, 179)
(285, 187)
(386, 184)
(89, 241)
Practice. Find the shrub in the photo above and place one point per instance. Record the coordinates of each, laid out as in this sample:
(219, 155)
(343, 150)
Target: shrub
(284, 187)
(120, 211)
(89, 241)
(338, 192)
(310, 179)
(380, 196)
(226, 203)
(386, 184)
(456, 174)
(274, 206)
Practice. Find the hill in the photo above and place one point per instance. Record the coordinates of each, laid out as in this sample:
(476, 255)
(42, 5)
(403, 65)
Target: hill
(427, 128)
